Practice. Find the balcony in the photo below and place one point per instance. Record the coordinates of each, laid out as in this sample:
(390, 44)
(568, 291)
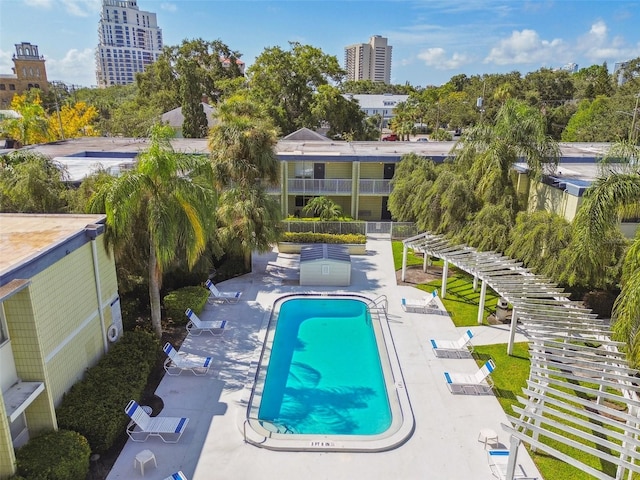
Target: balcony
(375, 187)
(330, 186)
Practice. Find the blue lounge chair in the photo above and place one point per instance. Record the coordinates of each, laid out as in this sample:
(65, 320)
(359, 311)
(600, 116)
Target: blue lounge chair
(475, 383)
(177, 362)
(196, 326)
(142, 426)
(217, 295)
(461, 348)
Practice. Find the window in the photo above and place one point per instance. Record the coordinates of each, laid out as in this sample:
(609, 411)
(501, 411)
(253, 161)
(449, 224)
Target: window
(12, 86)
(304, 170)
(3, 328)
(3, 86)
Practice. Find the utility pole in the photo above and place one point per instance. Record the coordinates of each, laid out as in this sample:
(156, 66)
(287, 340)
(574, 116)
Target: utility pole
(632, 132)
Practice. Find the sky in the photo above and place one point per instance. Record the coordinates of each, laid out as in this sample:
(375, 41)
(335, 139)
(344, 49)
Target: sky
(432, 40)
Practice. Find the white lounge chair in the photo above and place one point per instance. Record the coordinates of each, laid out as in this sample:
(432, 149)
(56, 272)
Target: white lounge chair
(461, 348)
(142, 426)
(177, 476)
(475, 384)
(196, 326)
(217, 295)
(498, 461)
(177, 362)
(428, 303)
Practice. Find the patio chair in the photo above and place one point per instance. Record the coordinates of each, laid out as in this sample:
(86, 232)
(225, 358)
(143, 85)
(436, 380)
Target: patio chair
(428, 303)
(177, 362)
(177, 476)
(142, 426)
(218, 296)
(196, 326)
(498, 460)
(475, 384)
(461, 348)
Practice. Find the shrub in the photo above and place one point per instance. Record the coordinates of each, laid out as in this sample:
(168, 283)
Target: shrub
(61, 455)
(176, 302)
(308, 237)
(94, 406)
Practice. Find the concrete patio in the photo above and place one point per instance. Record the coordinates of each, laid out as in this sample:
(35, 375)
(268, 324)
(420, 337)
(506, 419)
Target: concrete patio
(444, 444)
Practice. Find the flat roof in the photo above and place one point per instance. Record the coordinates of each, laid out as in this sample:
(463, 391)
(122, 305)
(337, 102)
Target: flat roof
(81, 156)
(25, 236)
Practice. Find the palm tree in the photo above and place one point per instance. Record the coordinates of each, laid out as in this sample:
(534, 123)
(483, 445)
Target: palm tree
(597, 241)
(323, 207)
(488, 151)
(244, 163)
(170, 196)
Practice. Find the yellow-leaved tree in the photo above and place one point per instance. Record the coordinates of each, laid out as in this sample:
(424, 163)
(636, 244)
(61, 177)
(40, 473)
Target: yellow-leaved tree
(74, 121)
(32, 125)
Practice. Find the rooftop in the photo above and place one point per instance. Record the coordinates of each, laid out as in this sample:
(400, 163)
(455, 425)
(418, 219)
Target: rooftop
(81, 156)
(24, 237)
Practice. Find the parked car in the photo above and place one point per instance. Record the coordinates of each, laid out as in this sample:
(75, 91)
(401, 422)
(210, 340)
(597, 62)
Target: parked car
(422, 139)
(390, 138)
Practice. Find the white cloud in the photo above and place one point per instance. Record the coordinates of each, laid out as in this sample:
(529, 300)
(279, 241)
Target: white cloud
(76, 66)
(39, 3)
(437, 57)
(5, 62)
(169, 7)
(82, 8)
(597, 46)
(526, 47)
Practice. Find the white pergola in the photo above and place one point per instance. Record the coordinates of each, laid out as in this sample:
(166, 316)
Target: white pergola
(577, 372)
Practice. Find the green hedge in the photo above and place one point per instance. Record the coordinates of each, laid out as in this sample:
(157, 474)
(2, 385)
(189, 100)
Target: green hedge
(176, 302)
(94, 406)
(308, 237)
(61, 455)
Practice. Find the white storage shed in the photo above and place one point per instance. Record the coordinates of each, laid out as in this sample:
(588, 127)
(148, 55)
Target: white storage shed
(325, 264)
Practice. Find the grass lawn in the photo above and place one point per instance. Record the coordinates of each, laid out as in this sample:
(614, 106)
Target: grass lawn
(511, 372)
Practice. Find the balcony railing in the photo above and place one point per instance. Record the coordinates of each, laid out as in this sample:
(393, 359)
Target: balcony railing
(319, 187)
(375, 187)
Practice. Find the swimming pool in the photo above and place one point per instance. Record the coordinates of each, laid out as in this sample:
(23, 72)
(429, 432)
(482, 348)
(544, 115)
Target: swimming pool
(326, 379)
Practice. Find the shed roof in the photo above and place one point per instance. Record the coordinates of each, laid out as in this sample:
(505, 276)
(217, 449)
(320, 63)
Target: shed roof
(324, 251)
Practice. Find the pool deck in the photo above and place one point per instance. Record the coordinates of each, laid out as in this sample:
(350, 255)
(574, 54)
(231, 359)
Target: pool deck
(444, 444)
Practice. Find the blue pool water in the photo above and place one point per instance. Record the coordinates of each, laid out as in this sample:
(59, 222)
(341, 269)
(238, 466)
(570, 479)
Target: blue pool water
(324, 374)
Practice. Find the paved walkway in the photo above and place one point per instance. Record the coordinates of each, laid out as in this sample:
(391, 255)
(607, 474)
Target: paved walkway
(444, 444)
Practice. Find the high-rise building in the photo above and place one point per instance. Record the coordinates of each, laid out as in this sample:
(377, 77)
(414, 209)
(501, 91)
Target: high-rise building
(369, 61)
(129, 41)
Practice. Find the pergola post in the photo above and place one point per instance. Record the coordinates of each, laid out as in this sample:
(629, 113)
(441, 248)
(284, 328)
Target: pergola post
(445, 273)
(475, 282)
(483, 293)
(514, 443)
(512, 331)
(404, 260)
(425, 261)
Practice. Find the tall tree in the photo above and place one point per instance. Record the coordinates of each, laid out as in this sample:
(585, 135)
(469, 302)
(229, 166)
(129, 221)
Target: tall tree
(244, 162)
(32, 183)
(489, 150)
(597, 244)
(285, 82)
(171, 195)
(344, 117)
(412, 178)
(195, 123)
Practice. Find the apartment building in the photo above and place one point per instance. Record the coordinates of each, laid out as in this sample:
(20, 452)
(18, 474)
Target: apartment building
(355, 175)
(59, 312)
(369, 61)
(28, 72)
(382, 105)
(129, 40)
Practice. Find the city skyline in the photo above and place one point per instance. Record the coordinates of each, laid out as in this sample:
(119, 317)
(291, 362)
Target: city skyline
(432, 41)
